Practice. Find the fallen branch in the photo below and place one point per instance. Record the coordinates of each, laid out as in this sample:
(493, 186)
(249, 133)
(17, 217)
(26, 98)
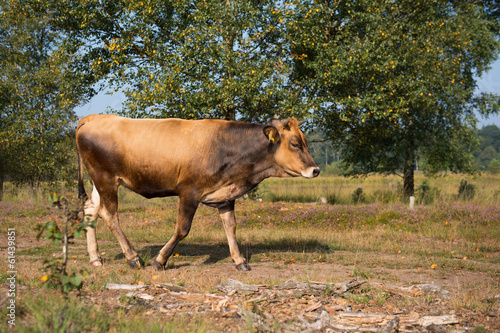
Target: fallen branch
(117, 286)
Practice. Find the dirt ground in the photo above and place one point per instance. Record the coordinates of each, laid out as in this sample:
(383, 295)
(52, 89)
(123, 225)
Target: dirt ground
(278, 296)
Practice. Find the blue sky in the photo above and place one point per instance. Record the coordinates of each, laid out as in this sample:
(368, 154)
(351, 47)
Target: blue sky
(490, 82)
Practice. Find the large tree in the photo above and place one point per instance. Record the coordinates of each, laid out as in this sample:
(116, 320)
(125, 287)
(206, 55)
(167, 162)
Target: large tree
(393, 82)
(189, 59)
(38, 91)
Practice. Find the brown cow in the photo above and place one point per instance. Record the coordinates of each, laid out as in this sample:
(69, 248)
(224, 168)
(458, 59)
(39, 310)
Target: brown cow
(210, 161)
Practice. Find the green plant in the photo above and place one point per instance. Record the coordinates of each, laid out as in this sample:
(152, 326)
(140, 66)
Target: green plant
(425, 193)
(57, 273)
(332, 199)
(466, 191)
(494, 166)
(358, 196)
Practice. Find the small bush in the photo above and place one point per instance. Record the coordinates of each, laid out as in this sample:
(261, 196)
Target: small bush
(332, 199)
(426, 194)
(358, 196)
(494, 166)
(466, 191)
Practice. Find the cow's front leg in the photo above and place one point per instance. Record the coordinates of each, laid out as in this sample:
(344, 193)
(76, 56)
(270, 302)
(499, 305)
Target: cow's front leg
(108, 212)
(187, 208)
(226, 214)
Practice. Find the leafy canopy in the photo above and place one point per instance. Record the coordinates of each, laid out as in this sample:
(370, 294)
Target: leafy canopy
(38, 91)
(202, 59)
(394, 81)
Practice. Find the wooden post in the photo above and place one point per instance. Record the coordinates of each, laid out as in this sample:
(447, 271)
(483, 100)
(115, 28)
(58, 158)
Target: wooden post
(412, 202)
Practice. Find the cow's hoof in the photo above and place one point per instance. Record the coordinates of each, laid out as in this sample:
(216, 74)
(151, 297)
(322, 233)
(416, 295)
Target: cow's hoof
(135, 263)
(96, 262)
(243, 267)
(158, 266)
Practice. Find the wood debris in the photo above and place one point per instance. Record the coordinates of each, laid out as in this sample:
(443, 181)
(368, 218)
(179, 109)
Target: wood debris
(416, 290)
(231, 286)
(113, 286)
(292, 306)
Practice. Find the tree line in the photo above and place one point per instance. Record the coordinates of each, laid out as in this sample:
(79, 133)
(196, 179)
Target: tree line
(389, 83)
(486, 155)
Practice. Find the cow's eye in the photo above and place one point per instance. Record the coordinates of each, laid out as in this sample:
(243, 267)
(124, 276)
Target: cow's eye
(295, 145)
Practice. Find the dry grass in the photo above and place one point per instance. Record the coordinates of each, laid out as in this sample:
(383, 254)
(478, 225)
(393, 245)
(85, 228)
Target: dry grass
(450, 241)
(377, 188)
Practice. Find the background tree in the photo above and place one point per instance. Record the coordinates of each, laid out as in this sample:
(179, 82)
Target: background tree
(39, 90)
(489, 148)
(394, 81)
(189, 59)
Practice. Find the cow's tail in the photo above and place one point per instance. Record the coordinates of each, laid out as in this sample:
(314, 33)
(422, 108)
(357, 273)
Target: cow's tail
(82, 195)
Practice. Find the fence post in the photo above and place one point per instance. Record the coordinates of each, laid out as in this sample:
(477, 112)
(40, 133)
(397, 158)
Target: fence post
(412, 202)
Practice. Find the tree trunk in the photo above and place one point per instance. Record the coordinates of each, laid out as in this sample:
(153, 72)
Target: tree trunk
(408, 175)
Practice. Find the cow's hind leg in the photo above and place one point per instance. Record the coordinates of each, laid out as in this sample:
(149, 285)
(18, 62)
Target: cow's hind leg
(226, 214)
(187, 208)
(108, 212)
(90, 210)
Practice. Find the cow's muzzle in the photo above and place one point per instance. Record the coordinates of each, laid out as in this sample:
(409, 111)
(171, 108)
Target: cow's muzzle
(311, 172)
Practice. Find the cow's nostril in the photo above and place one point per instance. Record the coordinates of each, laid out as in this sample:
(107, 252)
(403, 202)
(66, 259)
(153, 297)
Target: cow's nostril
(316, 172)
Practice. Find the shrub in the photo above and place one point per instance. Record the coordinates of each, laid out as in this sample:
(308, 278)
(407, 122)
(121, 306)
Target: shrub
(358, 196)
(426, 194)
(494, 166)
(332, 199)
(466, 191)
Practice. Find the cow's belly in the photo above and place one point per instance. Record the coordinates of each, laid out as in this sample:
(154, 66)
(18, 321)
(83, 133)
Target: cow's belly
(149, 189)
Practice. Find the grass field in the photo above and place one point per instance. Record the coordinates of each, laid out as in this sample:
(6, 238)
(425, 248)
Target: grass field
(288, 235)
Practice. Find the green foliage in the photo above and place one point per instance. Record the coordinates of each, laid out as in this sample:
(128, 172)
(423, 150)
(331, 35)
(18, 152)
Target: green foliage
(466, 191)
(57, 274)
(426, 194)
(358, 196)
(38, 90)
(322, 150)
(332, 169)
(494, 166)
(489, 148)
(204, 59)
(392, 82)
(388, 83)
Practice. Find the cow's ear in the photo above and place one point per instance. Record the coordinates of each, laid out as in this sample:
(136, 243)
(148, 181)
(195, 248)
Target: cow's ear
(272, 134)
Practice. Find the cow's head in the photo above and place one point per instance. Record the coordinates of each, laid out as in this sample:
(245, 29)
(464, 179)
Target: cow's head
(292, 153)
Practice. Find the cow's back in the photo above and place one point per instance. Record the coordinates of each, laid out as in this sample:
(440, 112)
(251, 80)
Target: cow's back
(148, 156)
(155, 156)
